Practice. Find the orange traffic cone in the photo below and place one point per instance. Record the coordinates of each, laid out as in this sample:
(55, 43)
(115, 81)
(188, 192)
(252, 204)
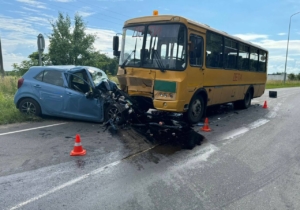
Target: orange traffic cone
(265, 106)
(78, 150)
(206, 127)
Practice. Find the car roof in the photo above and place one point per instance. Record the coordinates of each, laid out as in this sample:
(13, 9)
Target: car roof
(58, 67)
(63, 68)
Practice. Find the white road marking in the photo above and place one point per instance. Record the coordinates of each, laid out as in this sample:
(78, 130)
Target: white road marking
(69, 183)
(78, 179)
(29, 129)
(235, 133)
(206, 152)
(258, 123)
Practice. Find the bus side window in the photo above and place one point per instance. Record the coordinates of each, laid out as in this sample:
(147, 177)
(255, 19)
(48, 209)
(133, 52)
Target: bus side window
(262, 61)
(253, 59)
(214, 49)
(196, 50)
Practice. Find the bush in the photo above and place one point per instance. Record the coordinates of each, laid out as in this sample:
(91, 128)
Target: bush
(8, 111)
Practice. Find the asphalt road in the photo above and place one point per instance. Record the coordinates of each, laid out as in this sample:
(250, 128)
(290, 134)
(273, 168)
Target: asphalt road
(250, 160)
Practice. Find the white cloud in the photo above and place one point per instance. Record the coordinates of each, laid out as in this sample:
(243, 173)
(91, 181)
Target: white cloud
(251, 37)
(20, 42)
(34, 3)
(280, 44)
(30, 9)
(120, 0)
(85, 12)
(38, 20)
(103, 40)
(10, 58)
(277, 55)
(281, 34)
(16, 25)
(64, 1)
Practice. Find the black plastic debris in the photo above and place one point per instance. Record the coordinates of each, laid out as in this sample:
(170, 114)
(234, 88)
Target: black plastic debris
(122, 111)
(273, 94)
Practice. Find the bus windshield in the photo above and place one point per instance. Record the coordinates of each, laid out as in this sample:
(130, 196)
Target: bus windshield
(158, 46)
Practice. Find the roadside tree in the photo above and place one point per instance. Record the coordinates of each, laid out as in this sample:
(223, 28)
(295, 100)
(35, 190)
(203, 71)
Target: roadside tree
(69, 44)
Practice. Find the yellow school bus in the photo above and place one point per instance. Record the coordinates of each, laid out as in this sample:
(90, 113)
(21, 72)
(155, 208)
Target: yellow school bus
(174, 64)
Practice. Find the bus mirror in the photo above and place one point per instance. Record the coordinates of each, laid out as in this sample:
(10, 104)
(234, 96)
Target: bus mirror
(115, 43)
(116, 53)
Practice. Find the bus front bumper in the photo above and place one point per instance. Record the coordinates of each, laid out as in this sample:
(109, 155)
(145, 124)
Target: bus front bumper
(172, 106)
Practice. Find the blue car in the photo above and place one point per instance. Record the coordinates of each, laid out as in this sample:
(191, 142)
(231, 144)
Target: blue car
(61, 91)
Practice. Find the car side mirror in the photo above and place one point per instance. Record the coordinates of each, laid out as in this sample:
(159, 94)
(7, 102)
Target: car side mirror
(89, 94)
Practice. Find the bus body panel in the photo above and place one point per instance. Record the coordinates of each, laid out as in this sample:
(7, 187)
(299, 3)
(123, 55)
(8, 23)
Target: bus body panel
(221, 85)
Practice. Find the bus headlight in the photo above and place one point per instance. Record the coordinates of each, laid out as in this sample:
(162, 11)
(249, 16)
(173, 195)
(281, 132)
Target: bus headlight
(164, 95)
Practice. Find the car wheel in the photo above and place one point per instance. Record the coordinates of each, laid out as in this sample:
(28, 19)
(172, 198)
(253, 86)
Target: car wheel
(113, 113)
(30, 106)
(196, 109)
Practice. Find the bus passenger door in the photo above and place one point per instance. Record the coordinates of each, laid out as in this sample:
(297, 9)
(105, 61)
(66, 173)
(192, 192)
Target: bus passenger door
(195, 68)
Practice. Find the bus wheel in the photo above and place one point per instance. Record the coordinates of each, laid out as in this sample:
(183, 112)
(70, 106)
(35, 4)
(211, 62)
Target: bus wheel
(245, 103)
(196, 110)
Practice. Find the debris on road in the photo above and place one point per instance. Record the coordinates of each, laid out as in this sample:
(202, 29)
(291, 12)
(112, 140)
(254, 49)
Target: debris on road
(122, 111)
(273, 94)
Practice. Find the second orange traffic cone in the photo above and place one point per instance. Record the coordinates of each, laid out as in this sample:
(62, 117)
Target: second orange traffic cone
(206, 127)
(265, 106)
(78, 150)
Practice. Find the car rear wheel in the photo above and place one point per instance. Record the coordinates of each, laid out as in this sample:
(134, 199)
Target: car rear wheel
(30, 106)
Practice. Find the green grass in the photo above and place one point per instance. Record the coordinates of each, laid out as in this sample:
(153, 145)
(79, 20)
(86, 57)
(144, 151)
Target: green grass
(280, 84)
(8, 111)
(113, 78)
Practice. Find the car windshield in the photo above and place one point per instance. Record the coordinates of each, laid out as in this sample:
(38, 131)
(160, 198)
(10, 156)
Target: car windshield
(97, 75)
(160, 46)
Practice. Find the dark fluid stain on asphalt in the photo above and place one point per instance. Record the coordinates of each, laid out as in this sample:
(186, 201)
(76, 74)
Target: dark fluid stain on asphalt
(219, 109)
(69, 137)
(167, 149)
(80, 163)
(142, 162)
(172, 144)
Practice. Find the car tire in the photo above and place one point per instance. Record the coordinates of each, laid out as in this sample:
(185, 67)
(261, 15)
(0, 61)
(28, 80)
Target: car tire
(196, 110)
(113, 112)
(30, 106)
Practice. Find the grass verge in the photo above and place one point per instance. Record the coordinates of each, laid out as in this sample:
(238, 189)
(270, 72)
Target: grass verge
(8, 111)
(280, 84)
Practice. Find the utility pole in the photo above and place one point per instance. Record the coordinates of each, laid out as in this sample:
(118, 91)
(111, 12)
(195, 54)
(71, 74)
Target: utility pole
(287, 47)
(2, 72)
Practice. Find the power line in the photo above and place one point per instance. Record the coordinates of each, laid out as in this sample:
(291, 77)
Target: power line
(89, 16)
(104, 9)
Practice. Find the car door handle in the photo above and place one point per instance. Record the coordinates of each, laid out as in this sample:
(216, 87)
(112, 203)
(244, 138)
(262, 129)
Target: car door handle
(37, 86)
(69, 93)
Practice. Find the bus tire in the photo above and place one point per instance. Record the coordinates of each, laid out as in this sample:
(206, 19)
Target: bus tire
(245, 103)
(196, 109)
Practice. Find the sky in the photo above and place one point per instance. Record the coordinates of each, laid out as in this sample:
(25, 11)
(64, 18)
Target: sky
(263, 22)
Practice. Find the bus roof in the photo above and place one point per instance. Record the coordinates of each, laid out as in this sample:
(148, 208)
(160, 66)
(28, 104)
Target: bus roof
(169, 18)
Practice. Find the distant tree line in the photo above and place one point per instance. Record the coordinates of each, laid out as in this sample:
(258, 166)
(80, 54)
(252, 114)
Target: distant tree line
(69, 45)
(294, 77)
